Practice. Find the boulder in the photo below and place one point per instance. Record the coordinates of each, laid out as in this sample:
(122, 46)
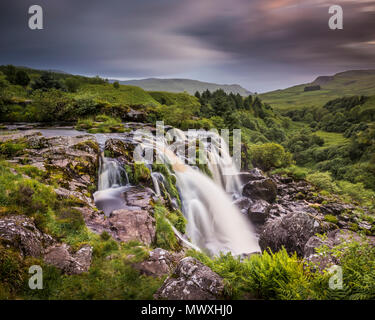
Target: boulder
(159, 263)
(258, 211)
(253, 174)
(265, 189)
(256, 174)
(122, 149)
(192, 280)
(133, 225)
(139, 197)
(20, 232)
(243, 204)
(291, 231)
(60, 257)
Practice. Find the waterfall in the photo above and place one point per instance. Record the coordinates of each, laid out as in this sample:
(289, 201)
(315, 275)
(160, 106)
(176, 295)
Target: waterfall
(111, 174)
(112, 183)
(214, 223)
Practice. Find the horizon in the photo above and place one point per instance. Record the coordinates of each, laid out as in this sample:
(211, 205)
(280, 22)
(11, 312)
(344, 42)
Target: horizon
(217, 83)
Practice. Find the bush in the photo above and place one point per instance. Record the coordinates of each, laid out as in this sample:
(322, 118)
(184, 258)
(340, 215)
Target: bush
(72, 84)
(267, 276)
(269, 155)
(323, 180)
(12, 149)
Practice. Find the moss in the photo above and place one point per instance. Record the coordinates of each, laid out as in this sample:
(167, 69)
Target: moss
(105, 236)
(10, 149)
(87, 146)
(141, 172)
(165, 237)
(353, 226)
(330, 218)
(169, 181)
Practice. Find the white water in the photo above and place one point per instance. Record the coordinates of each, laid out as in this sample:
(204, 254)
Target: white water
(214, 224)
(111, 174)
(112, 183)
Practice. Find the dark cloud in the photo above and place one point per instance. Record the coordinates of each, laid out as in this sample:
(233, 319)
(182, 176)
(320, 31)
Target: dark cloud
(260, 44)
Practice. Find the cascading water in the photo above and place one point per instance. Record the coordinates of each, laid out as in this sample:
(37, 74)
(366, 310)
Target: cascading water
(112, 183)
(214, 223)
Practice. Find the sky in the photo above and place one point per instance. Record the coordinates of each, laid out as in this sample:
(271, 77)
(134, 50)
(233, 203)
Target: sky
(262, 45)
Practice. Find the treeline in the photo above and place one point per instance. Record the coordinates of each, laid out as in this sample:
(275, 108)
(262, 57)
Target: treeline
(346, 115)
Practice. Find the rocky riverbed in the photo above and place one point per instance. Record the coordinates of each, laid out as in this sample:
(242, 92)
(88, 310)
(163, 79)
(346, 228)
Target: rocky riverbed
(286, 213)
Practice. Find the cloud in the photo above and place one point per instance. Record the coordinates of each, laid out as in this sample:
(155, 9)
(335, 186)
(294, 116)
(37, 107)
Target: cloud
(261, 44)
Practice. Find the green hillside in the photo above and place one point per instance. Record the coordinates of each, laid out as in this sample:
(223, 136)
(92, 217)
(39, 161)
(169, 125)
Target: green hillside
(349, 83)
(171, 98)
(30, 95)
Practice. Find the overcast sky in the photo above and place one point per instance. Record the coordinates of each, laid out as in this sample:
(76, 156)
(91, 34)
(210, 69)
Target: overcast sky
(260, 44)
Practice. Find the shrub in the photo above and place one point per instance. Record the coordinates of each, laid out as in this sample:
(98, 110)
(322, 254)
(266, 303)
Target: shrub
(269, 155)
(323, 180)
(267, 276)
(72, 84)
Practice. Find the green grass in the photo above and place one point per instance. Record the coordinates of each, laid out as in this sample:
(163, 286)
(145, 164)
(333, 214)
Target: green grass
(101, 124)
(169, 98)
(107, 278)
(332, 138)
(124, 95)
(344, 84)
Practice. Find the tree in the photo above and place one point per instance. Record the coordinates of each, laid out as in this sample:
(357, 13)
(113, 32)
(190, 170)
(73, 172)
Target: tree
(45, 82)
(116, 85)
(22, 78)
(72, 84)
(10, 73)
(197, 95)
(269, 155)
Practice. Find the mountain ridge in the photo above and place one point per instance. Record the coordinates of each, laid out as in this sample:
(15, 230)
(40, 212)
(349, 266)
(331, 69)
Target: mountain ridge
(181, 85)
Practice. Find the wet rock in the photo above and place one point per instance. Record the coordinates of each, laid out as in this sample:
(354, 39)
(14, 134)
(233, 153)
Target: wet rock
(292, 231)
(265, 189)
(20, 232)
(139, 197)
(116, 148)
(192, 281)
(159, 263)
(258, 211)
(133, 225)
(243, 204)
(60, 257)
(256, 174)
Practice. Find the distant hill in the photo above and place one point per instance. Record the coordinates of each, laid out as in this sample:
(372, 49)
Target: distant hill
(349, 83)
(181, 85)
